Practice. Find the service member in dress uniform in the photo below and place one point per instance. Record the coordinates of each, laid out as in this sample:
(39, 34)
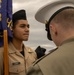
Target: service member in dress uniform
(59, 15)
(20, 56)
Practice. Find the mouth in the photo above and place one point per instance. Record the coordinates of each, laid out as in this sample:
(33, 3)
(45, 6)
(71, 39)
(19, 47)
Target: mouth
(26, 34)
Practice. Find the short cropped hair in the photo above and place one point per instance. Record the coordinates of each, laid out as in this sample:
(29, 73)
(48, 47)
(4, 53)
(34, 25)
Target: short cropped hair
(65, 18)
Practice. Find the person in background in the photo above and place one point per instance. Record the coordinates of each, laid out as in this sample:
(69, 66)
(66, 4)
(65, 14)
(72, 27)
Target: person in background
(60, 26)
(20, 56)
(40, 51)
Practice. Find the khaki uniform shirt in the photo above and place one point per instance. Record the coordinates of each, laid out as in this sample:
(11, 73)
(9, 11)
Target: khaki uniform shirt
(60, 62)
(18, 64)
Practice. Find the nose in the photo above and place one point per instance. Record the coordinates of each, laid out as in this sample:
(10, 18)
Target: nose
(26, 28)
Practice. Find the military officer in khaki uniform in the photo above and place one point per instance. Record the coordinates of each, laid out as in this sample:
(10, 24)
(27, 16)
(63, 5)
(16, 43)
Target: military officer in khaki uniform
(20, 56)
(60, 26)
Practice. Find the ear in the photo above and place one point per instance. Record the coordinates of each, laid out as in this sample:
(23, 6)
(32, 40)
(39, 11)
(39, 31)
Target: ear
(53, 28)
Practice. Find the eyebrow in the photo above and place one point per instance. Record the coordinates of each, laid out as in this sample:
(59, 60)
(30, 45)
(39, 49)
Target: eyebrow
(24, 24)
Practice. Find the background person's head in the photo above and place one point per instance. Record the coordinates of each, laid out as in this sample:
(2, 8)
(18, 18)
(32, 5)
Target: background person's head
(59, 16)
(20, 26)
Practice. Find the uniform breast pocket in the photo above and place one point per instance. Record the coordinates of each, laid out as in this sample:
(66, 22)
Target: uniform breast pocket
(16, 69)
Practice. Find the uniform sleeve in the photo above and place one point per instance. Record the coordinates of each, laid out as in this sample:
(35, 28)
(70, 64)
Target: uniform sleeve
(1, 61)
(34, 70)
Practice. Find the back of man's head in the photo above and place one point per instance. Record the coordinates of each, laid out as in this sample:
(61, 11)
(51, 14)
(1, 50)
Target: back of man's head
(63, 11)
(65, 19)
(62, 25)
